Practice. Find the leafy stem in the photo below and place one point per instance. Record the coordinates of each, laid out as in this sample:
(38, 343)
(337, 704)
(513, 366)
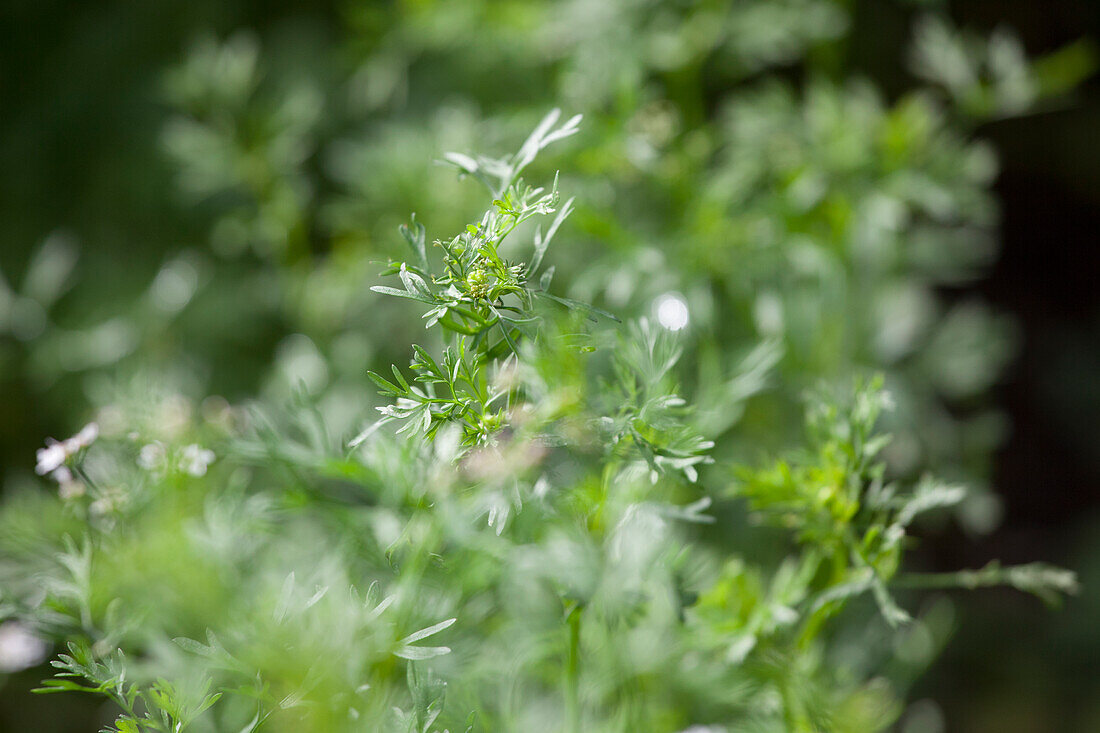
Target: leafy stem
(484, 302)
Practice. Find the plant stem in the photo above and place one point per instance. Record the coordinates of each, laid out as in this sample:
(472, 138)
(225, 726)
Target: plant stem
(1034, 578)
(572, 672)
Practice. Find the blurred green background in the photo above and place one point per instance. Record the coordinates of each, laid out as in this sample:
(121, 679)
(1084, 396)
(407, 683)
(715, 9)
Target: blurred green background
(173, 173)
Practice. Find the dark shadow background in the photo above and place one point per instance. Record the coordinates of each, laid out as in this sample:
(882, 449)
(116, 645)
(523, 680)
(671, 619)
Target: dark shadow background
(1009, 666)
(78, 150)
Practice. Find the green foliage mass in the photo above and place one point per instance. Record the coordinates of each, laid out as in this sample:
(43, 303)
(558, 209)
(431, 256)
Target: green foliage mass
(533, 549)
(597, 496)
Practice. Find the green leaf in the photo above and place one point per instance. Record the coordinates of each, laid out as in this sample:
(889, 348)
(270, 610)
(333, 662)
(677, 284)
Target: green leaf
(425, 633)
(59, 685)
(544, 281)
(416, 236)
(541, 243)
(464, 163)
(430, 362)
(578, 305)
(417, 653)
(194, 647)
(400, 378)
(401, 294)
(928, 495)
(386, 386)
(415, 284)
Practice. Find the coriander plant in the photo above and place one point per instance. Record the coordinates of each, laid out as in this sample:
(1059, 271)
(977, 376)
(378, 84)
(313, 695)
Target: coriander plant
(539, 534)
(811, 225)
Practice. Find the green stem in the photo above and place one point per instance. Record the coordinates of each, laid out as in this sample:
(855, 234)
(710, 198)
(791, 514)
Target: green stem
(1036, 578)
(468, 314)
(450, 323)
(572, 672)
(78, 469)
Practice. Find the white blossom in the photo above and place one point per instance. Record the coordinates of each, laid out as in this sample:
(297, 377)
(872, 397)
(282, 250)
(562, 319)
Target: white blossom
(196, 459)
(109, 501)
(68, 487)
(84, 438)
(56, 453)
(151, 456)
(50, 458)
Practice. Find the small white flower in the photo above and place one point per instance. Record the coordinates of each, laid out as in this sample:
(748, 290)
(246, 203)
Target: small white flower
(196, 459)
(67, 486)
(151, 456)
(50, 458)
(84, 438)
(19, 648)
(109, 501)
(56, 454)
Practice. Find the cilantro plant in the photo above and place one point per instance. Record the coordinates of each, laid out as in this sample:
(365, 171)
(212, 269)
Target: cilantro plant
(484, 300)
(816, 217)
(539, 534)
